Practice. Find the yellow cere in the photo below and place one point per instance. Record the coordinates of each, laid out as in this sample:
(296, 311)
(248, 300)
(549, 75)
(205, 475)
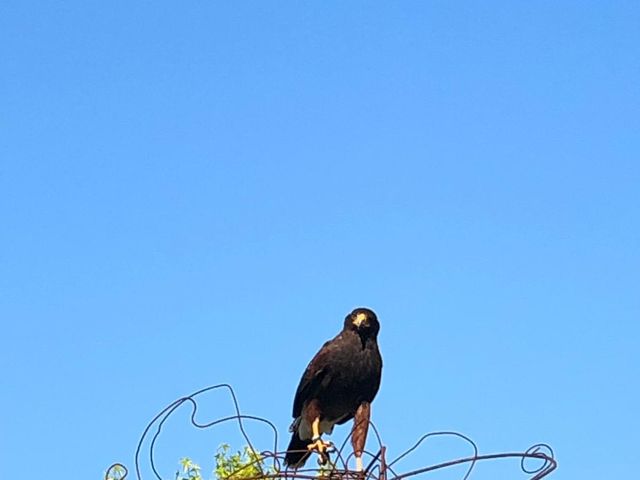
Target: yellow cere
(360, 317)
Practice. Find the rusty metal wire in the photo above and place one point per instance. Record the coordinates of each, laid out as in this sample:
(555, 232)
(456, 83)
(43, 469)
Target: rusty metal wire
(270, 463)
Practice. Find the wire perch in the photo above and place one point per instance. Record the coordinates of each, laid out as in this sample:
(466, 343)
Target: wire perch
(270, 462)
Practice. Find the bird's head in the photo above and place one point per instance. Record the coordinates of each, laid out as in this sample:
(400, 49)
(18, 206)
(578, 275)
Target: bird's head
(363, 321)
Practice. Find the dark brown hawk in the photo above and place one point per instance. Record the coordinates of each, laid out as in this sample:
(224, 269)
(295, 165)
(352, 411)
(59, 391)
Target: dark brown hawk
(339, 384)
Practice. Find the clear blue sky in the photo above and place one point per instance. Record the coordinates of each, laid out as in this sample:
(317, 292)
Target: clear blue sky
(198, 192)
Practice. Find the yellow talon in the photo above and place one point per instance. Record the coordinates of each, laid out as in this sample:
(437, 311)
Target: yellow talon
(320, 446)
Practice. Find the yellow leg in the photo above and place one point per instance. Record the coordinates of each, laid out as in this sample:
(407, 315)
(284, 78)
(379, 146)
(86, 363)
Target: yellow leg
(359, 466)
(318, 445)
(315, 428)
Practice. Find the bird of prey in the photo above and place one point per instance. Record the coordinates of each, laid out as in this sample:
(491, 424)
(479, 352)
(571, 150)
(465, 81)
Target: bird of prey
(339, 384)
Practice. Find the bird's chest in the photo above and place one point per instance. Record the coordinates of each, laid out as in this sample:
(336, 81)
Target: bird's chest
(353, 382)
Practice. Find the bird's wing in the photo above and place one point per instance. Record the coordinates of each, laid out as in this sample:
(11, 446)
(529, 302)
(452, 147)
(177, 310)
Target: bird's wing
(315, 377)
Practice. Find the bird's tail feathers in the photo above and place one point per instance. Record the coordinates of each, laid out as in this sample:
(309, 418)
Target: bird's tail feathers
(297, 452)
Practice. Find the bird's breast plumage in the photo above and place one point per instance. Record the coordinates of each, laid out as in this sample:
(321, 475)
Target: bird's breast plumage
(354, 378)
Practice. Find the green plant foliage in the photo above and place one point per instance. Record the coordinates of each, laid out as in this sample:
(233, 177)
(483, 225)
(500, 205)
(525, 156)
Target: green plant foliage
(190, 470)
(243, 464)
(239, 465)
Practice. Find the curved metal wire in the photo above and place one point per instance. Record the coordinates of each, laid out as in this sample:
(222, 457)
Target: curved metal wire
(338, 467)
(440, 434)
(164, 414)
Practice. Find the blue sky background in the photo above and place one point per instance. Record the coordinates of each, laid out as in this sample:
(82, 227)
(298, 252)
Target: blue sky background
(198, 192)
